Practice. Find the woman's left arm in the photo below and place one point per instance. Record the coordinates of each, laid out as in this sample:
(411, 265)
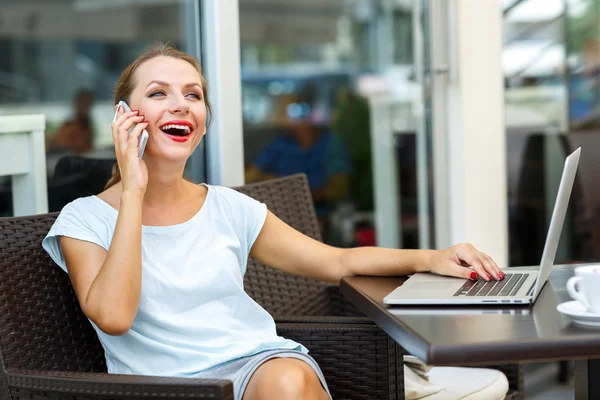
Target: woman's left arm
(282, 247)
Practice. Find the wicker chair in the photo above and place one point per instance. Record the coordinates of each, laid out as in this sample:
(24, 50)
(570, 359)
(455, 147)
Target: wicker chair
(48, 348)
(294, 299)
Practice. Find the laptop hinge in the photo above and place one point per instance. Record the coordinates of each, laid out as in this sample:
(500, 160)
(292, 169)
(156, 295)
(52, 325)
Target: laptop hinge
(532, 288)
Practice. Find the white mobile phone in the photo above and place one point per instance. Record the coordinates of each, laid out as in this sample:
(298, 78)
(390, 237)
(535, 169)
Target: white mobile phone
(143, 136)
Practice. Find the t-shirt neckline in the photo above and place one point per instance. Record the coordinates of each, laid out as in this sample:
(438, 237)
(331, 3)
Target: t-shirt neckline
(164, 228)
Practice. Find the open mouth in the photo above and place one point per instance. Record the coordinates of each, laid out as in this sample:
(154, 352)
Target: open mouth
(176, 130)
(179, 131)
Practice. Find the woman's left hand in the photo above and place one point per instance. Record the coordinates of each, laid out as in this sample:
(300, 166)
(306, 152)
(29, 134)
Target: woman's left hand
(465, 261)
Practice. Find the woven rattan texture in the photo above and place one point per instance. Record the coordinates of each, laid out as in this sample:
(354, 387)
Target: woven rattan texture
(359, 360)
(280, 293)
(34, 384)
(41, 324)
(43, 328)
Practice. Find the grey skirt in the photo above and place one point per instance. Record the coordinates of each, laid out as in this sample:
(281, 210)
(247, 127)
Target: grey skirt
(239, 371)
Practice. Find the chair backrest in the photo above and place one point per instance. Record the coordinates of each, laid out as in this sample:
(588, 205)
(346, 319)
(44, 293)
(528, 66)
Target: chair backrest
(75, 177)
(41, 323)
(280, 293)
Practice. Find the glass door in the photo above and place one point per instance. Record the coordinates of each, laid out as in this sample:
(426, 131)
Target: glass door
(340, 90)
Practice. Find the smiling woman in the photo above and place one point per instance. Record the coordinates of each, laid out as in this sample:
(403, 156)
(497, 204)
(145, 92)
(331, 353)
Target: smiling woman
(157, 262)
(163, 60)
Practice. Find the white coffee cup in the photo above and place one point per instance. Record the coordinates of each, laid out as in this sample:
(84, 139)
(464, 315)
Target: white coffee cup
(585, 287)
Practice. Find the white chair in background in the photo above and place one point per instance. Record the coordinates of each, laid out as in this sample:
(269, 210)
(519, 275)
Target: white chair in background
(23, 158)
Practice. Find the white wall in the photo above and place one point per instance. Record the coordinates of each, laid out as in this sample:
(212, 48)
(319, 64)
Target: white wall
(476, 137)
(224, 139)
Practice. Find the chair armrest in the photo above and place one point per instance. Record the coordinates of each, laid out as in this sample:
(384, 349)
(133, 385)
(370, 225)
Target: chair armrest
(315, 320)
(359, 360)
(28, 384)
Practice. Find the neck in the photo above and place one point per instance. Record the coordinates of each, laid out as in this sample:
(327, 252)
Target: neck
(166, 186)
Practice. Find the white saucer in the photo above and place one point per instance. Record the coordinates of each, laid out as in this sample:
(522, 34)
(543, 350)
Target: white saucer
(579, 313)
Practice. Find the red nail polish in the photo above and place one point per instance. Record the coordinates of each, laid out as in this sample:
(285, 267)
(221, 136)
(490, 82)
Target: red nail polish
(474, 275)
(488, 276)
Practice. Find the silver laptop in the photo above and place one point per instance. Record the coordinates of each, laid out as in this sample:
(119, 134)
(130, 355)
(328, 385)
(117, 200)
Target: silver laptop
(516, 287)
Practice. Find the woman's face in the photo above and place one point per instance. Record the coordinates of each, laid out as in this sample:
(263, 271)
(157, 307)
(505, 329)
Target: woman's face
(168, 92)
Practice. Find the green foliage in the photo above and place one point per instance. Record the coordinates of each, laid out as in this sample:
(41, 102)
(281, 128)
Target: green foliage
(585, 28)
(352, 126)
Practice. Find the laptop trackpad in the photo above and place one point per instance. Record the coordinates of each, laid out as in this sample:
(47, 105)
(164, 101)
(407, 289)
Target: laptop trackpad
(422, 285)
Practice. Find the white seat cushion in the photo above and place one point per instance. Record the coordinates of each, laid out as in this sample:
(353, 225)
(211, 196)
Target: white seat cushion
(456, 383)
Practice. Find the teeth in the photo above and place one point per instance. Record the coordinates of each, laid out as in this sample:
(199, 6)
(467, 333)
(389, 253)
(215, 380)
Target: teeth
(180, 127)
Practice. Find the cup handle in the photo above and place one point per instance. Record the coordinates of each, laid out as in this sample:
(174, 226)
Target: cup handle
(574, 292)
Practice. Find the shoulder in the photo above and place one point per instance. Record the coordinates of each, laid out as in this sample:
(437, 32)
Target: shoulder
(229, 196)
(234, 204)
(82, 205)
(90, 212)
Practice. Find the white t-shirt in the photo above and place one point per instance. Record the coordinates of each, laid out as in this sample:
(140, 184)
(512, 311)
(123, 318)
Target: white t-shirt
(194, 313)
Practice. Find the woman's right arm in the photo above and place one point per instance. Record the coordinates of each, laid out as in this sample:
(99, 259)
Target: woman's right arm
(108, 283)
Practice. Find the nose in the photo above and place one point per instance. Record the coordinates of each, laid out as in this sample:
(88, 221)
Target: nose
(179, 105)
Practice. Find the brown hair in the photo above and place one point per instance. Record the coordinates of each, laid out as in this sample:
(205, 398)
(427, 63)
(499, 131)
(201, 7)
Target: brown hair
(126, 84)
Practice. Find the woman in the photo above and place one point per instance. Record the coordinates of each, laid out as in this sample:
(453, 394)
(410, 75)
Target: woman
(157, 262)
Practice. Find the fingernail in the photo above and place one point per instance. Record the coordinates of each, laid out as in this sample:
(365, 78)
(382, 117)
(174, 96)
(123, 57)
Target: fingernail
(488, 276)
(499, 276)
(474, 275)
(135, 111)
(119, 108)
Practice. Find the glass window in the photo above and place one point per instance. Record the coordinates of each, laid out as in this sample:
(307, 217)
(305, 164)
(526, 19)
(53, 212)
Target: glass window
(583, 47)
(62, 59)
(551, 65)
(309, 70)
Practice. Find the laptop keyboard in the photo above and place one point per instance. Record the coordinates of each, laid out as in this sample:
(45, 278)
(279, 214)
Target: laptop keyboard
(509, 286)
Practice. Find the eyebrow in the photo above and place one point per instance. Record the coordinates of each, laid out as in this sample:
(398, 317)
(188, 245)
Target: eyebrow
(162, 83)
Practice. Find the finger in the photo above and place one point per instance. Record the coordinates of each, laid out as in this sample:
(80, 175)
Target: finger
(489, 267)
(469, 254)
(460, 272)
(124, 129)
(122, 116)
(477, 265)
(133, 140)
(130, 121)
(496, 271)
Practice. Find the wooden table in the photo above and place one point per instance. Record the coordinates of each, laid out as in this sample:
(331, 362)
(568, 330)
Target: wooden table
(451, 335)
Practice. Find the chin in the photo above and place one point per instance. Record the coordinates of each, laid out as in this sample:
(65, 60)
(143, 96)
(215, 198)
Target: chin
(172, 155)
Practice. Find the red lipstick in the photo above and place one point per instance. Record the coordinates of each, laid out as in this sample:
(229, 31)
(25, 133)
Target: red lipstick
(181, 131)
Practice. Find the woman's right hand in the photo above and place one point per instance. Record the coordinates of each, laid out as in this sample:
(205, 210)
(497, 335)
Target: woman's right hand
(134, 174)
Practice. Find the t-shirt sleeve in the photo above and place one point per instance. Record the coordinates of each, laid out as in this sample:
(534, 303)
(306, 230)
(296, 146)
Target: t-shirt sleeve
(247, 217)
(75, 222)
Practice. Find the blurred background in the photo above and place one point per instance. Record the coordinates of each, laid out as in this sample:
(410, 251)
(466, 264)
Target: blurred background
(313, 75)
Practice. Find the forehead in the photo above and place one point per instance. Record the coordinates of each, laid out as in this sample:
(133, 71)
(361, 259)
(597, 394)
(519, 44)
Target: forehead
(167, 69)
